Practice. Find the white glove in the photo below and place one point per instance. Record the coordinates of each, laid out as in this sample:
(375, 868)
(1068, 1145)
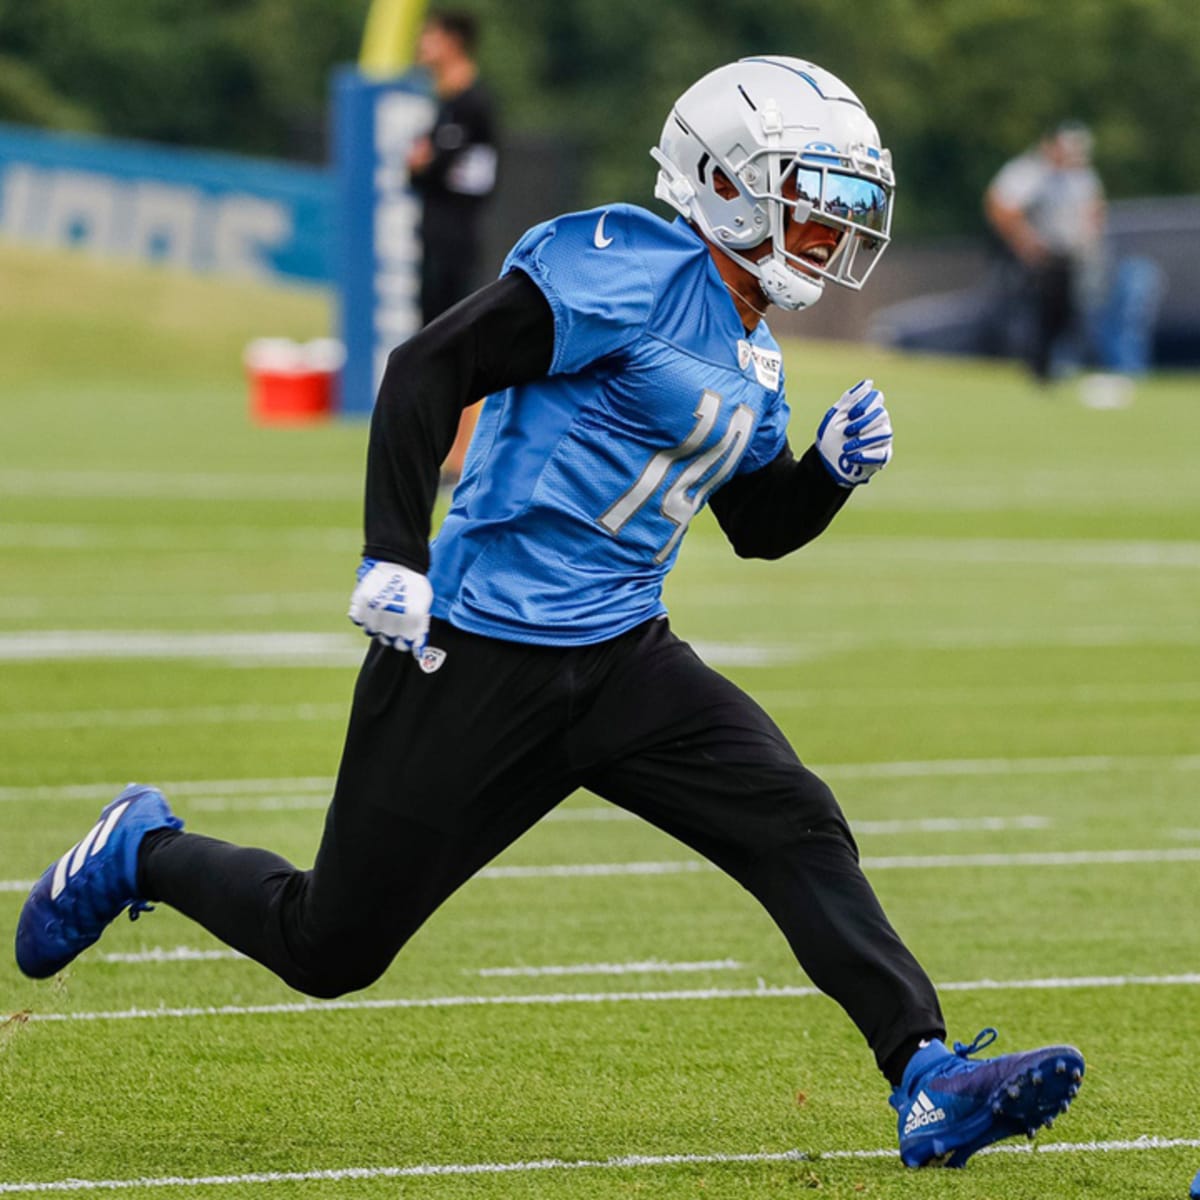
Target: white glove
(392, 603)
(855, 438)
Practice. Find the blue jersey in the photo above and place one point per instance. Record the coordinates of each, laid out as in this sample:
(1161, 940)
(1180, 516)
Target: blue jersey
(578, 487)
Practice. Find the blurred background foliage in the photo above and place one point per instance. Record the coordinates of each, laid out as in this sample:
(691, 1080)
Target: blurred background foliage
(956, 86)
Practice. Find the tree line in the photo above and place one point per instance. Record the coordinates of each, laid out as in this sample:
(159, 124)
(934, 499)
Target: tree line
(956, 86)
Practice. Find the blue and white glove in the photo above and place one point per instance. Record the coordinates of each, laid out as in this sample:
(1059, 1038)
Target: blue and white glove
(392, 603)
(855, 438)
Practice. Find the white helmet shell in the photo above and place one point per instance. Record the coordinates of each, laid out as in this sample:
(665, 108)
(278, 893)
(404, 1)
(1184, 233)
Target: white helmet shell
(796, 144)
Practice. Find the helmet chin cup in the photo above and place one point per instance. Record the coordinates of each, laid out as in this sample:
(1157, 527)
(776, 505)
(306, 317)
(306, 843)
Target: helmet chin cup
(786, 287)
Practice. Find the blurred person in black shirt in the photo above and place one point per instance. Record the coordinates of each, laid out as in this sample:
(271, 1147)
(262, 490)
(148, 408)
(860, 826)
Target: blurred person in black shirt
(453, 168)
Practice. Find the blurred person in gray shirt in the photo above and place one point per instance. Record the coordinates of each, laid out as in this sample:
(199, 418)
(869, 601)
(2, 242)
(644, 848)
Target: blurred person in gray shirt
(1047, 207)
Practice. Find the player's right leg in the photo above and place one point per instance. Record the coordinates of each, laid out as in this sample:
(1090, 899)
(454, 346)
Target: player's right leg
(418, 808)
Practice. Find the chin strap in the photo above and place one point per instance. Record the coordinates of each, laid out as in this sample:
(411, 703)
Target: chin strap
(762, 312)
(788, 288)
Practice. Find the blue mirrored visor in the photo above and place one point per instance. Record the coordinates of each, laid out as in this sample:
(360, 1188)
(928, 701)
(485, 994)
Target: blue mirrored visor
(850, 197)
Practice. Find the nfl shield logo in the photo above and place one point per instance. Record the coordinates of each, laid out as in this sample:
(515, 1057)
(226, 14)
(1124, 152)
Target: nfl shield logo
(431, 659)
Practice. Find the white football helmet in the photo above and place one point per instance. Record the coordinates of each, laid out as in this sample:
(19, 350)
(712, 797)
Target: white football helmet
(797, 145)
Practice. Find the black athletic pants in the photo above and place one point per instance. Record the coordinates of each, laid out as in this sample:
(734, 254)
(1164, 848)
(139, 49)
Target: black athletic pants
(449, 270)
(1053, 290)
(442, 771)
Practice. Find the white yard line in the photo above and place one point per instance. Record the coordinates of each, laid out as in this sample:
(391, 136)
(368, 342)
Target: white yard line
(1054, 637)
(914, 769)
(221, 538)
(622, 1163)
(1082, 764)
(991, 696)
(951, 825)
(899, 826)
(234, 714)
(651, 966)
(608, 812)
(334, 650)
(141, 718)
(169, 485)
(1049, 858)
(762, 992)
(106, 790)
(179, 954)
(322, 649)
(1050, 552)
(853, 549)
(815, 648)
(315, 802)
(284, 648)
(899, 862)
(903, 862)
(682, 866)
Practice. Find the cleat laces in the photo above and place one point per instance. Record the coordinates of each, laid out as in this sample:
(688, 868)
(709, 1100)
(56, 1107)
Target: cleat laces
(983, 1039)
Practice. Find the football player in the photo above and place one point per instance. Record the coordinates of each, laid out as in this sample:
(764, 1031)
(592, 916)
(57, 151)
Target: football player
(631, 379)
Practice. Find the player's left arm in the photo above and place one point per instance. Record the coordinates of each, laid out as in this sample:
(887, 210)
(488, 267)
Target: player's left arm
(784, 505)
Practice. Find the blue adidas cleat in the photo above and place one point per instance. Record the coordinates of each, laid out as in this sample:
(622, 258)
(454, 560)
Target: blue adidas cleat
(1194, 1194)
(85, 890)
(950, 1107)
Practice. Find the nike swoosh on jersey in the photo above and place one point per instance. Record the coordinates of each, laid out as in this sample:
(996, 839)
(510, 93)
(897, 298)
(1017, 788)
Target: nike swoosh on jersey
(599, 240)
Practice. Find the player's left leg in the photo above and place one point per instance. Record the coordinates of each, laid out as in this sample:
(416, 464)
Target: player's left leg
(678, 744)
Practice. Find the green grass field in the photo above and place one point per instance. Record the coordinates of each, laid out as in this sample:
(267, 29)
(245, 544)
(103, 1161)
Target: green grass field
(993, 656)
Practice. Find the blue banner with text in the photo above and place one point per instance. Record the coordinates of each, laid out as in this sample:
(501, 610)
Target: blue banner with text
(196, 210)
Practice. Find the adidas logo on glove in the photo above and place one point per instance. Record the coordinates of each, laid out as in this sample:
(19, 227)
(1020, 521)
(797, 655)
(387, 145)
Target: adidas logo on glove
(922, 1113)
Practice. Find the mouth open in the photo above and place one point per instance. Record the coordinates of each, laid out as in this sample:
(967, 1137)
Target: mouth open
(818, 255)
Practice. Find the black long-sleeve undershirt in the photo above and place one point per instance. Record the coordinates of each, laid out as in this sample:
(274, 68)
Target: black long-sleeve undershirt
(780, 507)
(501, 336)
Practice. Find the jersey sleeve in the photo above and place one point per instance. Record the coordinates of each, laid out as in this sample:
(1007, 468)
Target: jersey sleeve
(588, 267)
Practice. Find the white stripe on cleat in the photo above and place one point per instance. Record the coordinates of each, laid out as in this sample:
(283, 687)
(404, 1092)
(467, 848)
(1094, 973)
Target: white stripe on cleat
(60, 873)
(113, 817)
(82, 849)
